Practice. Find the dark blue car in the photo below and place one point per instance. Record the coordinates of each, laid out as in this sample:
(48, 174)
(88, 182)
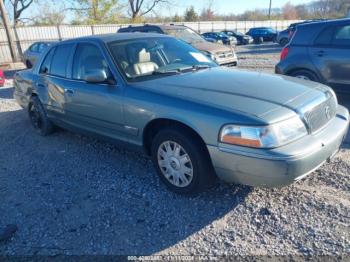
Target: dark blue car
(262, 34)
(220, 37)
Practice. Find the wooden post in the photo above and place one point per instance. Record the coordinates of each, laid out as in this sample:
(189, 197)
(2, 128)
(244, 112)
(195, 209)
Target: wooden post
(8, 31)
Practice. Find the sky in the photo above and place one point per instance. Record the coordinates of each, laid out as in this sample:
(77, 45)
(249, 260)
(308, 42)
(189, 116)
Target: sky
(230, 6)
(223, 7)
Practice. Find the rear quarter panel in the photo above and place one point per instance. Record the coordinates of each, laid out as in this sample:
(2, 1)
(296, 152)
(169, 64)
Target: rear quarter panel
(24, 87)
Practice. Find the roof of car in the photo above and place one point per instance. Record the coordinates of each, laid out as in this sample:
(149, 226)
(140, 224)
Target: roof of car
(106, 38)
(323, 22)
(162, 26)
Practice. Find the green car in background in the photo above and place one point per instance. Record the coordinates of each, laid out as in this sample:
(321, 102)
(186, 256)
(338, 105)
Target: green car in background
(196, 120)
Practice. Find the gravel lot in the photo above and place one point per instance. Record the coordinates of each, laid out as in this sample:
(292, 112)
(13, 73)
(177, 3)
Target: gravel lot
(71, 194)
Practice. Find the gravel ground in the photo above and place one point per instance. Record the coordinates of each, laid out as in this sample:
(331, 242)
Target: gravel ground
(71, 194)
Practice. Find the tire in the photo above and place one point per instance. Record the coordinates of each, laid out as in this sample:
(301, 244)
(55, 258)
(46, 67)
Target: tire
(258, 40)
(284, 41)
(28, 64)
(38, 118)
(191, 156)
(305, 74)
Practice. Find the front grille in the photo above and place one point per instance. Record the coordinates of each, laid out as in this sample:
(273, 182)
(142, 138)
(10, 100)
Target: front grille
(223, 55)
(321, 114)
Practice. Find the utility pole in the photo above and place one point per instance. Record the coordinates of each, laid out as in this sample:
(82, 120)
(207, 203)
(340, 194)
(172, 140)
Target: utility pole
(270, 10)
(8, 31)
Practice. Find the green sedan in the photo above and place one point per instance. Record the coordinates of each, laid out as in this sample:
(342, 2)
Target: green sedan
(197, 121)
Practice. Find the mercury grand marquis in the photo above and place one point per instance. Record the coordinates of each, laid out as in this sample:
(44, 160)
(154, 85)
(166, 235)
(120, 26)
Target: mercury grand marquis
(196, 120)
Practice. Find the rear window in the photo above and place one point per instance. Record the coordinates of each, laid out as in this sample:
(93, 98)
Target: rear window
(45, 66)
(342, 36)
(60, 60)
(325, 37)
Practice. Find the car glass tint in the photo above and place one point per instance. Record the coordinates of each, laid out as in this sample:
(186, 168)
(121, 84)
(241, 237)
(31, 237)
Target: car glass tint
(155, 56)
(34, 48)
(342, 36)
(45, 66)
(88, 58)
(60, 60)
(325, 37)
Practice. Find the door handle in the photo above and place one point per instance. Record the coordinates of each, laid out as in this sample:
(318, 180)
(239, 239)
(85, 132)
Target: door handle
(68, 91)
(40, 86)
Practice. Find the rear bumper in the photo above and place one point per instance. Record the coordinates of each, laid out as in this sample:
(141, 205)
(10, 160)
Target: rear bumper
(281, 166)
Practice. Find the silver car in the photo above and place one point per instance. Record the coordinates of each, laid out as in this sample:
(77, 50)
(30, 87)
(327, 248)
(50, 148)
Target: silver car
(31, 55)
(194, 119)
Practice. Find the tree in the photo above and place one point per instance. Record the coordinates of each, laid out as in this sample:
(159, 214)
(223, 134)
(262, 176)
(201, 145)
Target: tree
(177, 18)
(18, 7)
(191, 15)
(96, 11)
(138, 8)
(207, 13)
(289, 12)
(49, 16)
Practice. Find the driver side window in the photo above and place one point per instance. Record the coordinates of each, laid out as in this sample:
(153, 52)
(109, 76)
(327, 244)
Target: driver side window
(87, 59)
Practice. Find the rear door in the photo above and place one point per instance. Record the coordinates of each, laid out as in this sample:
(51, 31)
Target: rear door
(96, 107)
(52, 80)
(331, 56)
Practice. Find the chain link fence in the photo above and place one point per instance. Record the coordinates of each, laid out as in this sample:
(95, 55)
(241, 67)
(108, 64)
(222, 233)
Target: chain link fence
(27, 35)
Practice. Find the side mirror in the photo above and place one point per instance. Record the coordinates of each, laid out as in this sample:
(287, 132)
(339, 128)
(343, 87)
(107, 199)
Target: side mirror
(96, 76)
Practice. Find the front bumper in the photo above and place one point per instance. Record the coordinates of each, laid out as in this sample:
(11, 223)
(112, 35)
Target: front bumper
(280, 166)
(228, 61)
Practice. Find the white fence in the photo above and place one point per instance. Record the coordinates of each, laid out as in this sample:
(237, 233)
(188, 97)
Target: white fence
(29, 34)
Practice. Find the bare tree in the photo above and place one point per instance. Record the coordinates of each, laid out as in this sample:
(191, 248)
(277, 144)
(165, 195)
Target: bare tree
(18, 7)
(289, 11)
(140, 8)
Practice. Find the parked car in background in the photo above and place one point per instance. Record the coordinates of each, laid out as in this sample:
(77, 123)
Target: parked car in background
(319, 52)
(193, 118)
(292, 27)
(221, 38)
(242, 39)
(221, 54)
(262, 34)
(283, 37)
(2, 78)
(31, 55)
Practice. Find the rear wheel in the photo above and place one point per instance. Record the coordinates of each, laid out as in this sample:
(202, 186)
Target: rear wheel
(258, 40)
(38, 117)
(305, 74)
(181, 161)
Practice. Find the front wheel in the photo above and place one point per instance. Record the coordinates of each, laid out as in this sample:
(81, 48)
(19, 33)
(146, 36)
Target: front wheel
(38, 117)
(181, 161)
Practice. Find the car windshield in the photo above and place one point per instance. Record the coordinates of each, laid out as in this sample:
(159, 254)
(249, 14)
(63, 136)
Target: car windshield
(148, 58)
(185, 34)
(222, 34)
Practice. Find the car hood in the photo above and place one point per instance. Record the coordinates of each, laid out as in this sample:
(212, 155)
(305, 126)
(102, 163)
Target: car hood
(269, 97)
(210, 47)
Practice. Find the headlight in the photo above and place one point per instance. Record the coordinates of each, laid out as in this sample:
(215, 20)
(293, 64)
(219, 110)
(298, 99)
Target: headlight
(265, 136)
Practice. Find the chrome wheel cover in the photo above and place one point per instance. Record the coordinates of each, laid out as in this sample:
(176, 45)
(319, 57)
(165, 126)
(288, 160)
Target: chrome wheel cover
(175, 164)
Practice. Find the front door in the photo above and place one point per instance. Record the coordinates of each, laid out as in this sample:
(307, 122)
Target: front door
(96, 107)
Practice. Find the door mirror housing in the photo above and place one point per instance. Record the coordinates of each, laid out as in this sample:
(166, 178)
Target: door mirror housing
(96, 76)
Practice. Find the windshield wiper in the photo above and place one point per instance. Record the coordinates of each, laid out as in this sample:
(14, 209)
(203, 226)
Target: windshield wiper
(166, 72)
(194, 68)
